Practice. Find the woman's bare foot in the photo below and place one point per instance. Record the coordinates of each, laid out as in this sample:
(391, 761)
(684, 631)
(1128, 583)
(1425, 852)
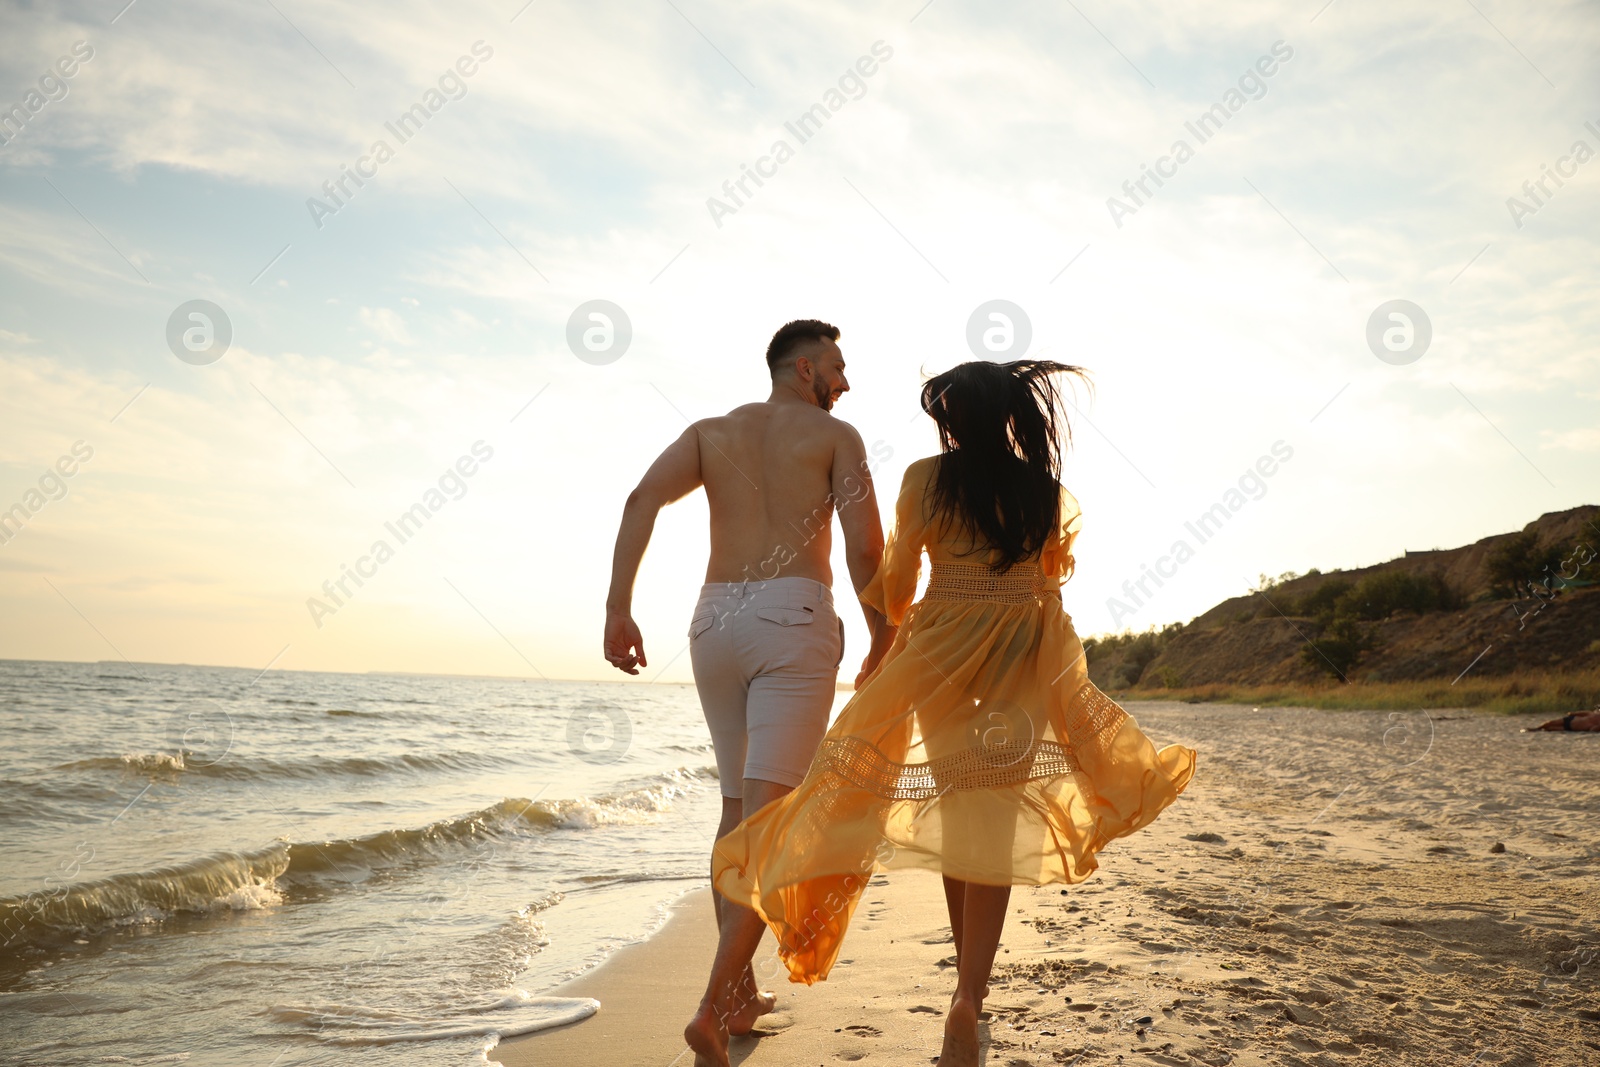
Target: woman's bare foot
(707, 1037)
(750, 1004)
(960, 1035)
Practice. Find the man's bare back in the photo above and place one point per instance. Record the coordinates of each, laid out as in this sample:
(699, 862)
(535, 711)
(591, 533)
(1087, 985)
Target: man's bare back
(773, 473)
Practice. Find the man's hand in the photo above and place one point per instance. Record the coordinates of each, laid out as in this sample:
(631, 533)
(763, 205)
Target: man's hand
(624, 645)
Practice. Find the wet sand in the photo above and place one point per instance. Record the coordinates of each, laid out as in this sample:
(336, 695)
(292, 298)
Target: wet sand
(1334, 888)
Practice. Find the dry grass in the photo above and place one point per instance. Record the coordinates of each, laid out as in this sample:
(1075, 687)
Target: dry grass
(1522, 693)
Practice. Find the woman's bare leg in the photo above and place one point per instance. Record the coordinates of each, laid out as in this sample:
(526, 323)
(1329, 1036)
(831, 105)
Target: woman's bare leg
(983, 917)
(955, 902)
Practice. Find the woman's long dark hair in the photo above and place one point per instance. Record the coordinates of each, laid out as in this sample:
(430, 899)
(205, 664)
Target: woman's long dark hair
(1001, 436)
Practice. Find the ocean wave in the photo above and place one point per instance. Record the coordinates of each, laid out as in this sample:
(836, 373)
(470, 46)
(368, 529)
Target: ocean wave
(516, 1012)
(250, 880)
(315, 767)
(224, 881)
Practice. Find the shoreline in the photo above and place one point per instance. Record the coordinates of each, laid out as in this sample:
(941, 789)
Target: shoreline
(645, 994)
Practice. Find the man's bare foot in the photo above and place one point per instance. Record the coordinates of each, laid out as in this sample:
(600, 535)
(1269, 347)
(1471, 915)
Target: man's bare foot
(707, 1037)
(750, 1004)
(960, 1035)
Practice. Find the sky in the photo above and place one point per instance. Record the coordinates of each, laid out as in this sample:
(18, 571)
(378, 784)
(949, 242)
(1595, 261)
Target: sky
(362, 347)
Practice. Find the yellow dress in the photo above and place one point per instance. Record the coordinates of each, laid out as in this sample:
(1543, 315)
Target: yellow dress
(978, 748)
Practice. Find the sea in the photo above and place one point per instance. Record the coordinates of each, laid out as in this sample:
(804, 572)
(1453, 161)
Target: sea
(209, 865)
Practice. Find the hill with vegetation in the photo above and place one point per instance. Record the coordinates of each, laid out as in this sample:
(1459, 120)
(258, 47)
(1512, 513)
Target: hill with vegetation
(1511, 622)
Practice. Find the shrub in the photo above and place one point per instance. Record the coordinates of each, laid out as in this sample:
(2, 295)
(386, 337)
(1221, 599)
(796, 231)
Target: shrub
(1135, 651)
(1340, 645)
(1320, 601)
(1519, 561)
(1379, 595)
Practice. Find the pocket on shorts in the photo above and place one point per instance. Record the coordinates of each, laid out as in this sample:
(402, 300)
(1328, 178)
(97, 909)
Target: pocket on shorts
(701, 622)
(786, 616)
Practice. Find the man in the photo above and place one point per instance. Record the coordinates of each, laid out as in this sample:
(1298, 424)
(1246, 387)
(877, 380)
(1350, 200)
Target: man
(764, 642)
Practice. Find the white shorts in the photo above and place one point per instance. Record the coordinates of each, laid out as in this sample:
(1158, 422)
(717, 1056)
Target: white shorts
(766, 658)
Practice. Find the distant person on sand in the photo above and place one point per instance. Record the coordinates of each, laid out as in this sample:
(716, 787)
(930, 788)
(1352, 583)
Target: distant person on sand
(978, 747)
(1578, 720)
(764, 641)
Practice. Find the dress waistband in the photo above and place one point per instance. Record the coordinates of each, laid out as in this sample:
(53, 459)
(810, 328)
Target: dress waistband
(1023, 583)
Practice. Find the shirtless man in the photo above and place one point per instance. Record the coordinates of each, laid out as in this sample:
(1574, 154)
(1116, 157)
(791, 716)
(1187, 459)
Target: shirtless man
(764, 641)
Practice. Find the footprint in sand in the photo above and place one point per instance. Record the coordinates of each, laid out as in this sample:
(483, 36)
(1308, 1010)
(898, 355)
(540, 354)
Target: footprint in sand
(773, 1024)
(925, 1009)
(863, 1030)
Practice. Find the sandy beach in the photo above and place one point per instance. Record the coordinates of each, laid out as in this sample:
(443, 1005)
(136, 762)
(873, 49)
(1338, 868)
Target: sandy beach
(1334, 888)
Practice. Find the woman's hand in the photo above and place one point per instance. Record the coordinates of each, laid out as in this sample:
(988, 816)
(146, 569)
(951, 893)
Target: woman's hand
(882, 640)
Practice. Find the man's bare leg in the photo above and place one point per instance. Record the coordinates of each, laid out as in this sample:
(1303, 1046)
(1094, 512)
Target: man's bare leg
(738, 934)
(752, 1002)
(983, 916)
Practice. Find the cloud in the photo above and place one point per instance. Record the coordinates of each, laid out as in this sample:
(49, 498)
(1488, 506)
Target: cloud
(386, 324)
(1584, 439)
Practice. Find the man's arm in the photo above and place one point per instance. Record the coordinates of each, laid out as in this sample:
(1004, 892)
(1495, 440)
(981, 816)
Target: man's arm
(674, 475)
(863, 534)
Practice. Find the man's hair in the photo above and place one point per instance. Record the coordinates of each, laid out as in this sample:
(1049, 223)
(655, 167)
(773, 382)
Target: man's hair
(791, 335)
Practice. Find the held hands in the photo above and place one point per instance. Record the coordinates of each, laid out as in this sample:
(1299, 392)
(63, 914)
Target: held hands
(882, 641)
(868, 665)
(624, 646)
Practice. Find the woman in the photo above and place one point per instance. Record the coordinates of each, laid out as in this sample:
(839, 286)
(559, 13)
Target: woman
(978, 747)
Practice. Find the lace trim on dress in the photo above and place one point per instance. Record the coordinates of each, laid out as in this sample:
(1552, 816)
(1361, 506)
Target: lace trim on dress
(1021, 584)
(1093, 719)
(863, 765)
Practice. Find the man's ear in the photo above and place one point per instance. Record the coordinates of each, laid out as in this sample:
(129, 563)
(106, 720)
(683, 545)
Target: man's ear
(804, 369)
